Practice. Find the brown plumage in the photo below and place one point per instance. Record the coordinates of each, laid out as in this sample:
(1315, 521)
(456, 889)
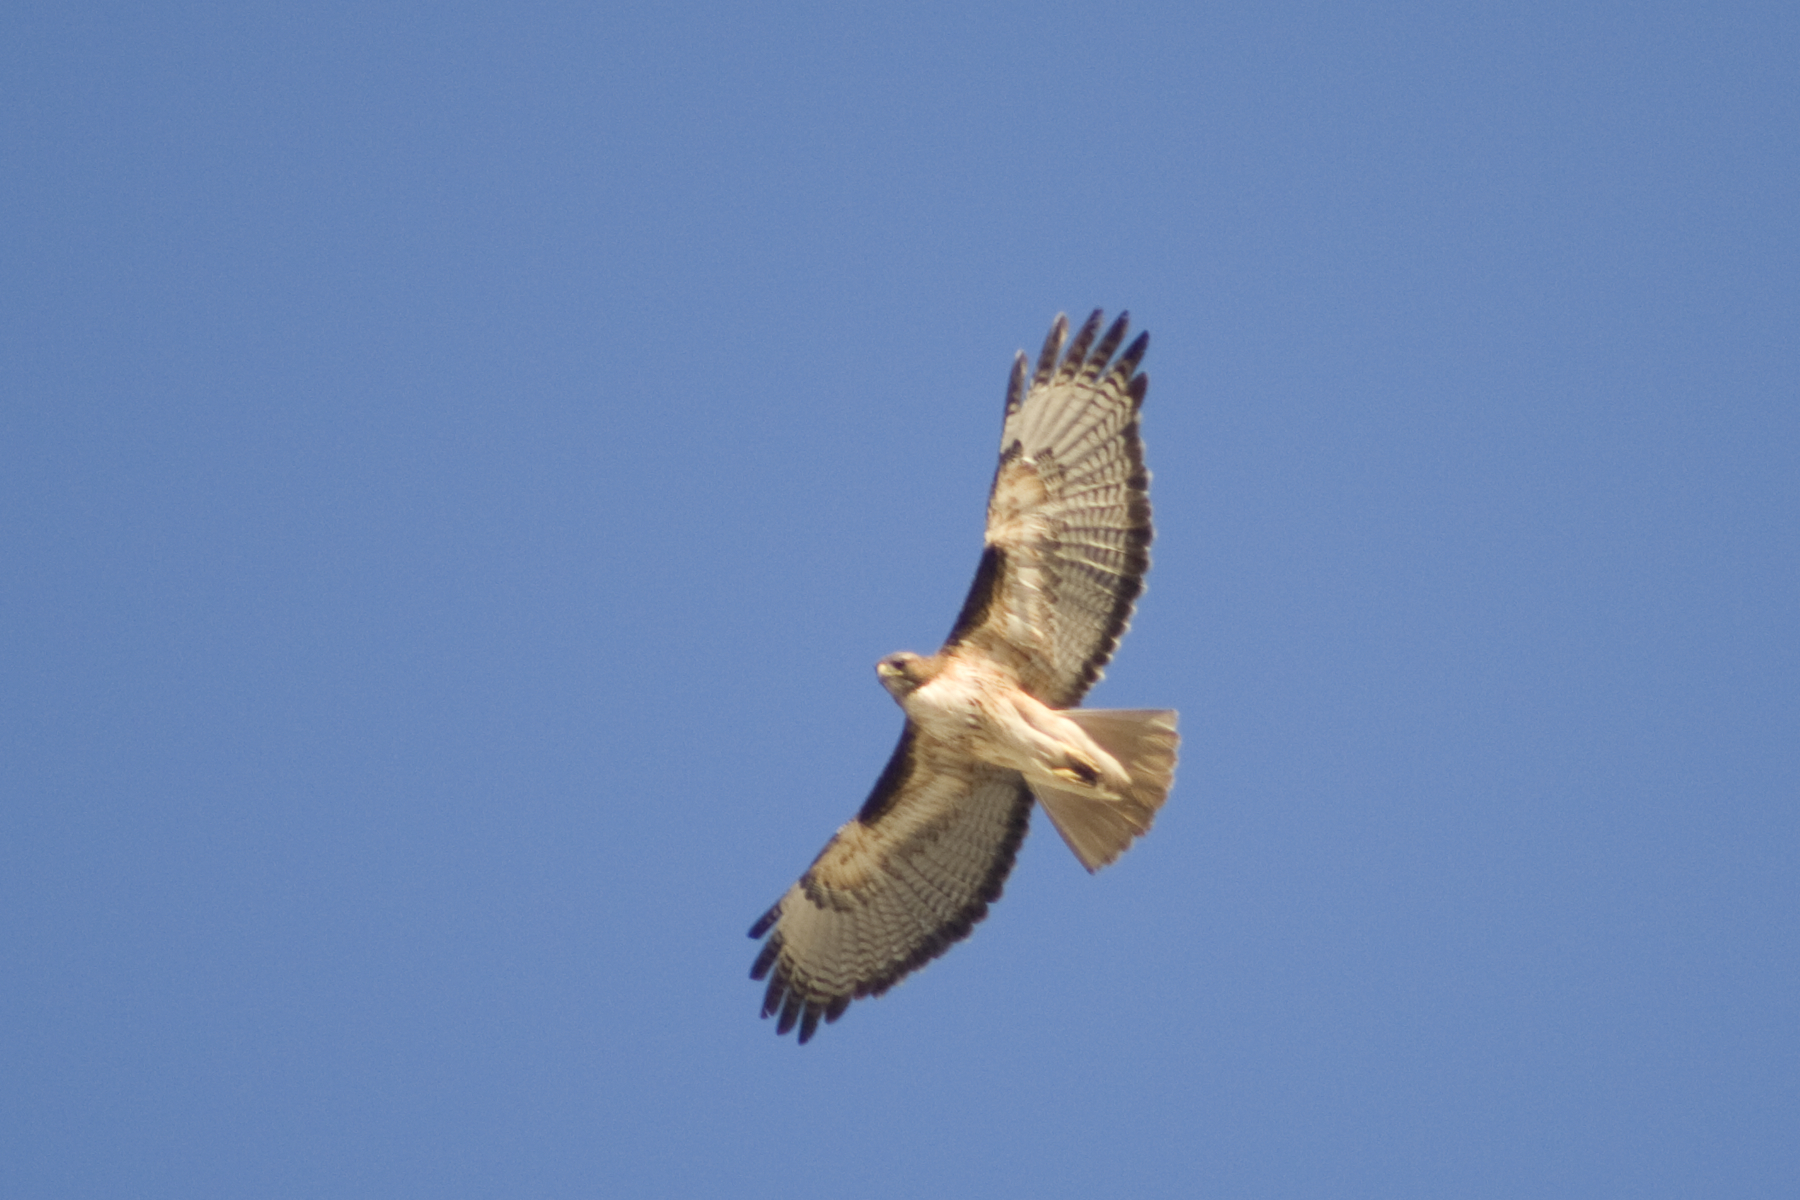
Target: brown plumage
(991, 723)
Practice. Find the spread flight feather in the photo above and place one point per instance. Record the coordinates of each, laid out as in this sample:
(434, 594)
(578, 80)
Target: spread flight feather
(991, 718)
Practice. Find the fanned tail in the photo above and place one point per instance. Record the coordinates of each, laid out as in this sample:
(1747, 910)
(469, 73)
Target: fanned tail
(1099, 828)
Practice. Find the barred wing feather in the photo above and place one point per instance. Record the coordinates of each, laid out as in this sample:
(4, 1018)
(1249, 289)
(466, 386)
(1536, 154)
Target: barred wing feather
(895, 887)
(1068, 530)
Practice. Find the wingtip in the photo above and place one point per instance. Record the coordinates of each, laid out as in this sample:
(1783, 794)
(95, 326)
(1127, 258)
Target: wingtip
(767, 921)
(765, 959)
(1015, 384)
(1053, 344)
(1134, 353)
(1109, 344)
(1076, 357)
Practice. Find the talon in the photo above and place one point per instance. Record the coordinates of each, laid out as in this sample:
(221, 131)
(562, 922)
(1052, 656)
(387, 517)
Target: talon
(1078, 772)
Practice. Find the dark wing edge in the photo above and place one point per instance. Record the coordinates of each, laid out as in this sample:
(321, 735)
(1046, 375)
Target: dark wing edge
(974, 613)
(1106, 568)
(891, 891)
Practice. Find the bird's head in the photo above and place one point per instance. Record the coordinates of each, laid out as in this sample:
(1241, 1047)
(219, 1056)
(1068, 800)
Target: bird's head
(902, 673)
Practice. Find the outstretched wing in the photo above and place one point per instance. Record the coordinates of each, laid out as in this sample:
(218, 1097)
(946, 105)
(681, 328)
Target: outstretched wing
(895, 887)
(1068, 527)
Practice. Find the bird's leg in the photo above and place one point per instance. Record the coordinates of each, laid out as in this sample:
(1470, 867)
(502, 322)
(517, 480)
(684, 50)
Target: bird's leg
(1067, 752)
(1076, 770)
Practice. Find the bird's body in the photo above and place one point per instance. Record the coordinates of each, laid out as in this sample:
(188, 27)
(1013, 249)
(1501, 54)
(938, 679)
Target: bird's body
(966, 703)
(991, 723)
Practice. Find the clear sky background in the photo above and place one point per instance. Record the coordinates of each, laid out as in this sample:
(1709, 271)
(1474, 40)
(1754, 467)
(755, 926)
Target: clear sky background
(459, 465)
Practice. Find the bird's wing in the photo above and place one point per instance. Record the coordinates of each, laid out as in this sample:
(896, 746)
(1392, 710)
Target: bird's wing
(1068, 526)
(895, 887)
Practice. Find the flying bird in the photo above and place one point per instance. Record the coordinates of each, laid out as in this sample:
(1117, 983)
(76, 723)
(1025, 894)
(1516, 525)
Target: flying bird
(991, 722)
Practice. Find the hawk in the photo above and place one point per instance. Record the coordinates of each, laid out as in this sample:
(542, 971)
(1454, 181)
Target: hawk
(991, 722)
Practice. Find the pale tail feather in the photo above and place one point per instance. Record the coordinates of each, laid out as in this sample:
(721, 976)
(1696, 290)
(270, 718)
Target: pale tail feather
(1098, 829)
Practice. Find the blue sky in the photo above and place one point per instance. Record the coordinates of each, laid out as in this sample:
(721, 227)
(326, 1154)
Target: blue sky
(459, 466)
